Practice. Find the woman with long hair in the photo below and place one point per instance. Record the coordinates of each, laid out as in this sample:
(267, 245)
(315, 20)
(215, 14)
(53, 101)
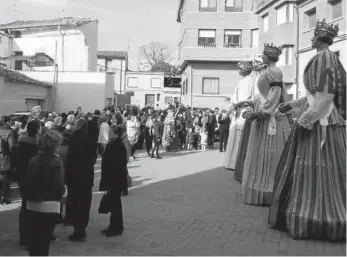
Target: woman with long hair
(310, 183)
(269, 132)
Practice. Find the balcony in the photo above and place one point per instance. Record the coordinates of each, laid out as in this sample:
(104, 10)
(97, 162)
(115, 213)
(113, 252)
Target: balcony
(233, 9)
(230, 45)
(217, 53)
(207, 45)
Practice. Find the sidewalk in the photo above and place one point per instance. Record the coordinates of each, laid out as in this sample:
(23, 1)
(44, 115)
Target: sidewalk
(184, 204)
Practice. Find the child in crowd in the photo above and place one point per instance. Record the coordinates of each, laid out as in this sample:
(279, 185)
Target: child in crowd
(203, 139)
(191, 139)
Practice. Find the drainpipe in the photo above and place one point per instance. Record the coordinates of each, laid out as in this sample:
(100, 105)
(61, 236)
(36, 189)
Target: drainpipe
(297, 50)
(62, 47)
(121, 76)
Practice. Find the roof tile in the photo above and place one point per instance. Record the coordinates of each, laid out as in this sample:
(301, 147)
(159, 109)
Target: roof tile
(112, 54)
(43, 23)
(17, 77)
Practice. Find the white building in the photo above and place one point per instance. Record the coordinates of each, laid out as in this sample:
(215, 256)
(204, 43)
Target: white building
(334, 11)
(115, 62)
(147, 88)
(71, 41)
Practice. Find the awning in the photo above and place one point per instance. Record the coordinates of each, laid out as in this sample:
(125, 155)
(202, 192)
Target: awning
(37, 60)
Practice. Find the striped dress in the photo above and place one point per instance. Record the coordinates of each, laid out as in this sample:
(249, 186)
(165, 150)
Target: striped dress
(310, 182)
(266, 140)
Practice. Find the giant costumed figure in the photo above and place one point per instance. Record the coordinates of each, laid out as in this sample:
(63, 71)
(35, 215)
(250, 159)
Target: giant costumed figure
(242, 92)
(258, 67)
(269, 132)
(310, 182)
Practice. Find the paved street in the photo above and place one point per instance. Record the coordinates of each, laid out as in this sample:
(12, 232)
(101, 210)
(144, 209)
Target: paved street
(184, 204)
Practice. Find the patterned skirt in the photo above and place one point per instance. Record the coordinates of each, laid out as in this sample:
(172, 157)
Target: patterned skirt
(262, 157)
(310, 192)
(241, 154)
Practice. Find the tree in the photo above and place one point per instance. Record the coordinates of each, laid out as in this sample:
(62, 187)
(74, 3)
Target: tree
(153, 53)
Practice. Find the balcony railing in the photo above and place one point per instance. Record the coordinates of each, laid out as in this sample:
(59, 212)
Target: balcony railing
(233, 9)
(232, 45)
(207, 45)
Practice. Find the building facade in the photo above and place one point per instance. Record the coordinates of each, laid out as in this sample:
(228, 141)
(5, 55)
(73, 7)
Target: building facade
(214, 36)
(90, 90)
(5, 45)
(278, 25)
(114, 62)
(71, 41)
(19, 92)
(148, 89)
(334, 11)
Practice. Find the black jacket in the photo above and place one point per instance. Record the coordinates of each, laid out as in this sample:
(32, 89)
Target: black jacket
(25, 150)
(158, 129)
(114, 166)
(223, 123)
(81, 157)
(43, 180)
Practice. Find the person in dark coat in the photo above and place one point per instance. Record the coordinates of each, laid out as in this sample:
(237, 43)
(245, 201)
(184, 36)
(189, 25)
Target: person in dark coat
(81, 158)
(158, 127)
(43, 186)
(27, 148)
(224, 124)
(211, 126)
(114, 179)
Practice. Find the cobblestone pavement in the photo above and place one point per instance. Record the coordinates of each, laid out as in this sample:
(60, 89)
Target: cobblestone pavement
(184, 204)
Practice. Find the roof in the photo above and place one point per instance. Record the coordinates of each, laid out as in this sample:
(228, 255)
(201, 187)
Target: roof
(180, 6)
(112, 54)
(44, 23)
(4, 34)
(17, 77)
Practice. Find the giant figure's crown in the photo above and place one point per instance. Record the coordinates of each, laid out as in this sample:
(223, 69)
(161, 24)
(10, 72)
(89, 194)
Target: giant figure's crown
(272, 50)
(328, 28)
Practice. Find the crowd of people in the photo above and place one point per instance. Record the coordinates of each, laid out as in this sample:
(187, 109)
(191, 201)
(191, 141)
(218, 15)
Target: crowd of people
(45, 151)
(291, 156)
(287, 155)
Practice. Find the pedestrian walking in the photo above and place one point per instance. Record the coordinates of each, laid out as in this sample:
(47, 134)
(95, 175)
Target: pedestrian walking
(114, 179)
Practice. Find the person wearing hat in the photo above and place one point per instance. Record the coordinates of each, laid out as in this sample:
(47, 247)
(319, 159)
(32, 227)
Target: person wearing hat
(310, 192)
(258, 67)
(269, 132)
(243, 92)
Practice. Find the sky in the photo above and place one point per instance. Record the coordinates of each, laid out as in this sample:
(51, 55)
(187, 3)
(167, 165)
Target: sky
(122, 23)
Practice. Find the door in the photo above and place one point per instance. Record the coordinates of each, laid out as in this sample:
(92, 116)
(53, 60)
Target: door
(150, 100)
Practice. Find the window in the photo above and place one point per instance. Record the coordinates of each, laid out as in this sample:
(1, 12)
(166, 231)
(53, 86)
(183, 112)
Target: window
(156, 82)
(210, 86)
(311, 18)
(132, 82)
(232, 38)
(208, 5)
(16, 34)
(286, 58)
(18, 65)
(149, 99)
(285, 13)
(265, 23)
(168, 100)
(187, 85)
(158, 97)
(336, 9)
(183, 90)
(255, 38)
(176, 99)
(207, 38)
(233, 5)
(109, 101)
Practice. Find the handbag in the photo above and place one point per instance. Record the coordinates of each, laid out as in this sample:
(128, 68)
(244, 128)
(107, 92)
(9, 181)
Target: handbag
(129, 181)
(105, 205)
